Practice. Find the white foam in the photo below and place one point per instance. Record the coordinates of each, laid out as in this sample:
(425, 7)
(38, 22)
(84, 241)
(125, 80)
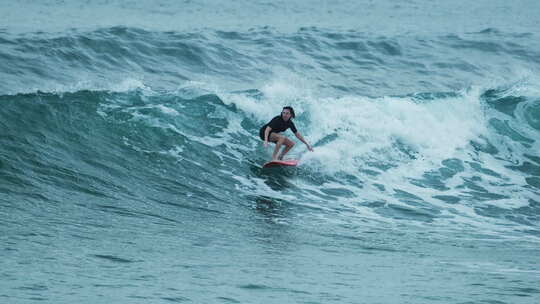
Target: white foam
(283, 89)
(167, 110)
(397, 131)
(128, 84)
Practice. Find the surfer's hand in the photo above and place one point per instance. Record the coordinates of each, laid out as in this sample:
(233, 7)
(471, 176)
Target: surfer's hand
(309, 148)
(265, 144)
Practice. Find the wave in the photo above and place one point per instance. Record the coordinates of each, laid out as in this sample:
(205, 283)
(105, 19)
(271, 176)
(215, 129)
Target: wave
(451, 158)
(342, 61)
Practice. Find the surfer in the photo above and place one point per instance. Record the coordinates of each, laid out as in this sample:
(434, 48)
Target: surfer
(280, 123)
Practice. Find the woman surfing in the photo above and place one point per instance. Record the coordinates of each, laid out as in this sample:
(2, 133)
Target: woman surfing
(270, 133)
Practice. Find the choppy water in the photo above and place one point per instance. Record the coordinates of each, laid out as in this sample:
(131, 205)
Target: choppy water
(130, 158)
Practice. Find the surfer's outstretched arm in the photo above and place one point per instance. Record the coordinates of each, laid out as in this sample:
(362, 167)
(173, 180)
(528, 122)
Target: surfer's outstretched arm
(299, 136)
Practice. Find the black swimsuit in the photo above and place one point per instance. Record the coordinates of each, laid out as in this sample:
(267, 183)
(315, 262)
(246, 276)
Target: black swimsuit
(278, 125)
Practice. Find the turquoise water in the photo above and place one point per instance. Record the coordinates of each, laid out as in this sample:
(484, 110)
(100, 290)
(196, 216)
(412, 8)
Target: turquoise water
(130, 163)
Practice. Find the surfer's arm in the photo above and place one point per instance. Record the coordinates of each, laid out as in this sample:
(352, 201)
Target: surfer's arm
(266, 134)
(301, 138)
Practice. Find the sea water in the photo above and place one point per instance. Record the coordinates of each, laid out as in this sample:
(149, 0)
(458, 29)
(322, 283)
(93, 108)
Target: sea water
(130, 162)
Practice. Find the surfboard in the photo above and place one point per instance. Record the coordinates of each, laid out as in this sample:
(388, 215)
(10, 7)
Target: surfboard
(281, 163)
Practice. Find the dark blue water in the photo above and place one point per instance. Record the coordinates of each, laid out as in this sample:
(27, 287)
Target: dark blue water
(130, 163)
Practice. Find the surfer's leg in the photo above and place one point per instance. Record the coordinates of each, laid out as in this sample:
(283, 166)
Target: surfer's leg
(279, 140)
(289, 144)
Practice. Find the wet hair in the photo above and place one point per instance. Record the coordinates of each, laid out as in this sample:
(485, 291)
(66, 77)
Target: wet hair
(290, 110)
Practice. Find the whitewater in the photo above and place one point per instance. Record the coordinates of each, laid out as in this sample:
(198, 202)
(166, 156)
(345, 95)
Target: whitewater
(130, 160)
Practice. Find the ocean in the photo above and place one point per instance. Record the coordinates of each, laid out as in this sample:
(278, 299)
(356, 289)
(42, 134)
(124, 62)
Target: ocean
(130, 160)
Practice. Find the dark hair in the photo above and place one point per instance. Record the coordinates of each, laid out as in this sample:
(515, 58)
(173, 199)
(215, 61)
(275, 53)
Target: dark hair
(291, 110)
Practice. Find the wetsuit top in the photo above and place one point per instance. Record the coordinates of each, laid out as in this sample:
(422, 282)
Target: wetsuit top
(279, 125)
